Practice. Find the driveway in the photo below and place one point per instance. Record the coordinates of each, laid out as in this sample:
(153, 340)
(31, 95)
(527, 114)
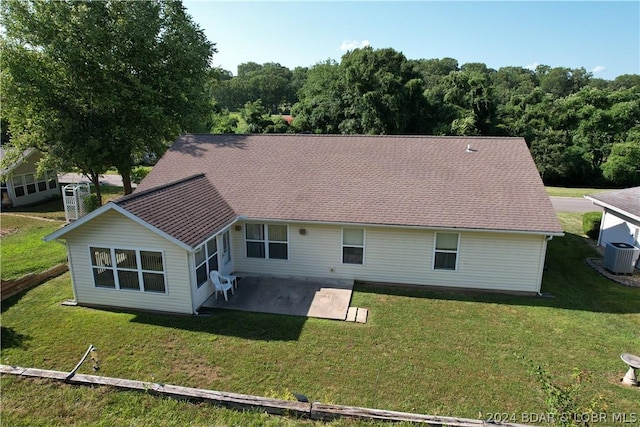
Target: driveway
(573, 204)
(322, 298)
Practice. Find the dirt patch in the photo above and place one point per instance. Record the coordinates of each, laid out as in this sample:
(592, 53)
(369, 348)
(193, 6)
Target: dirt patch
(8, 231)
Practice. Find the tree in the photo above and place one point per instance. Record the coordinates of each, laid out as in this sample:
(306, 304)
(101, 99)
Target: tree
(321, 108)
(471, 91)
(270, 82)
(623, 164)
(382, 91)
(95, 84)
(256, 116)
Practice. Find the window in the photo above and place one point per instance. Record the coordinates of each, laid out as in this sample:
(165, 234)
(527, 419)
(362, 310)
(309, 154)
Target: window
(133, 269)
(18, 186)
(51, 176)
(206, 258)
(267, 241)
(254, 234)
(353, 246)
(446, 251)
(30, 184)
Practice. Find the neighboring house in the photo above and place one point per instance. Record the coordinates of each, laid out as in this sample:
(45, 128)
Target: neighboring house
(456, 212)
(621, 217)
(21, 185)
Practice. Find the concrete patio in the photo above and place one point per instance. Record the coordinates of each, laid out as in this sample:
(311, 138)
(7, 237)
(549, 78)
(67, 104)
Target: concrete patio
(321, 298)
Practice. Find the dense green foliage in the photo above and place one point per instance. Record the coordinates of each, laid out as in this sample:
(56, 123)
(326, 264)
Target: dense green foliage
(591, 224)
(580, 129)
(98, 84)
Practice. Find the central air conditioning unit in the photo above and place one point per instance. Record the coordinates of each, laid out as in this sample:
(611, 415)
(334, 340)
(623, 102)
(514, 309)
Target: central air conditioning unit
(620, 258)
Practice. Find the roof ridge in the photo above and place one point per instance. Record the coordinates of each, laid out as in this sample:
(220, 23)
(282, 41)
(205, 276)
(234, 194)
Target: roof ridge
(136, 195)
(338, 135)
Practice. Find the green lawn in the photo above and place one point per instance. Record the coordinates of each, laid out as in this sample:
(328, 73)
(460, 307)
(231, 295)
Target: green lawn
(22, 250)
(426, 352)
(573, 192)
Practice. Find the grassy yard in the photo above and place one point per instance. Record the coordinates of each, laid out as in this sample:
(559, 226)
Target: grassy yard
(427, 352)
(572, 192)
(22, 250)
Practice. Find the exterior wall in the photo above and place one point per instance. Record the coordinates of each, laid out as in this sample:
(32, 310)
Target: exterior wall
(492, 261)
(113, 229)
(616, 228)
(25, 168)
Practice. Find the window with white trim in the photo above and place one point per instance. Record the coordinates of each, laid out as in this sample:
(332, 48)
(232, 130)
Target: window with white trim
(30, 184)
(353, 245)
(128, 269)
(267, 241)
(445, 255)
(206, 257)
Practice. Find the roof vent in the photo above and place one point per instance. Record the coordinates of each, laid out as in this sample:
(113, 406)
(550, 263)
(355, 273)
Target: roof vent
(470, 150)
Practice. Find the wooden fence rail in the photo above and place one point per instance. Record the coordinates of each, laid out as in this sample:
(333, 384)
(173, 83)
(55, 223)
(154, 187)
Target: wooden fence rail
(9, 288)
(315, 410)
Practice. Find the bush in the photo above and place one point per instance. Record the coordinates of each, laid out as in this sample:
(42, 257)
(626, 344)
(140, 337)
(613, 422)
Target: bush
(91, 202)
(138, 174)
(591, 224)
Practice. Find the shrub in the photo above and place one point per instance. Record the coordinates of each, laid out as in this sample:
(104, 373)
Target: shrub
(138, 174)
(91, 202)
(591, 224)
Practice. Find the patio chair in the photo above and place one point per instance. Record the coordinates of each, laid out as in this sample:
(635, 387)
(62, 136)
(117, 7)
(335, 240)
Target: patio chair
(221, 284)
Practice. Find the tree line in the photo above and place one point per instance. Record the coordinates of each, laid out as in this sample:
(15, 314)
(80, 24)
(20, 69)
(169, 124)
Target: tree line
(95, 85)
(581, 130)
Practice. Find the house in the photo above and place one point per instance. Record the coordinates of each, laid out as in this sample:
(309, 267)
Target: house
(458, 212)
(21, 185)
(621, 216)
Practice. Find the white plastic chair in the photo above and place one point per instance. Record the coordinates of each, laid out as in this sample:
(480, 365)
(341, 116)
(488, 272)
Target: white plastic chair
(221, 283)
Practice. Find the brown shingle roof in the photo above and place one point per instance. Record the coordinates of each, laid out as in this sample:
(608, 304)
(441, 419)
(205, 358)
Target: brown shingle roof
(626, 200)
(391, 180)
(190, 209)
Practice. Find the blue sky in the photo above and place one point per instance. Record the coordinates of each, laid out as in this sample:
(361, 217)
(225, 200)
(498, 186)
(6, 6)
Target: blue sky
(602, 37)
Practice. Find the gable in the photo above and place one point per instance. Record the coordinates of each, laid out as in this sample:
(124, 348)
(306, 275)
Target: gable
(26, 162)
(112, 227)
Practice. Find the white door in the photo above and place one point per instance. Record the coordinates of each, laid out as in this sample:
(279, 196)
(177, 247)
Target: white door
(226, 266)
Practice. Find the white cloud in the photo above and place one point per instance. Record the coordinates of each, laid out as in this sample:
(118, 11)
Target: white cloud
(353, 44)
(533, 66)
(598, 69)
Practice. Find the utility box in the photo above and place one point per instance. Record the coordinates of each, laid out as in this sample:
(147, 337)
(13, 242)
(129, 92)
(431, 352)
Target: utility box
(74, 196)
(620, 258)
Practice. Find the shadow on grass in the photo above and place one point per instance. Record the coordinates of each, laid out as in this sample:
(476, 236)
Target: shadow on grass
(11, 301)
(11, 338)
(50, 206)
(251, 326)
(571, 282)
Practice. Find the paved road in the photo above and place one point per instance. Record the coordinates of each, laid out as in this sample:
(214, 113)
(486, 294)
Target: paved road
(573, 204)
(72, 178)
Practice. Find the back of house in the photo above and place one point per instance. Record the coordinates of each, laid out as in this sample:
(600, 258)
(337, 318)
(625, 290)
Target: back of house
(454, 212)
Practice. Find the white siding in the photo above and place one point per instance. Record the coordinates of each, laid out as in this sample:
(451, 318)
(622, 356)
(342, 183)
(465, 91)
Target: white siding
(617, 229)
(497, 261)
(113, 229)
